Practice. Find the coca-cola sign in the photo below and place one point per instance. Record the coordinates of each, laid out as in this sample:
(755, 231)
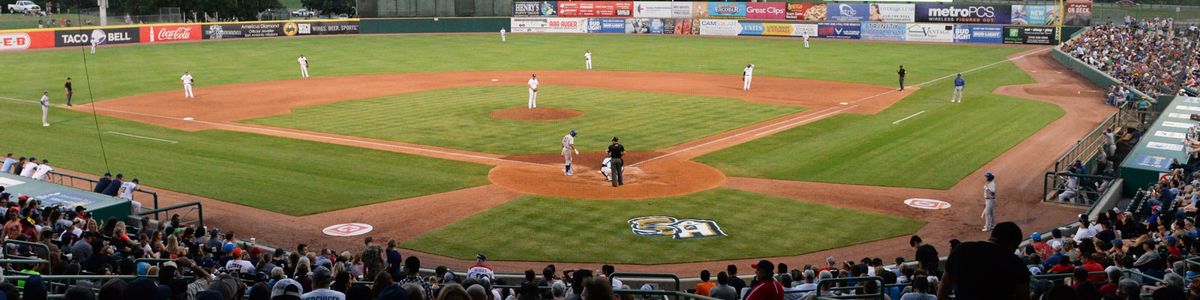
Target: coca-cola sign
(170, 33)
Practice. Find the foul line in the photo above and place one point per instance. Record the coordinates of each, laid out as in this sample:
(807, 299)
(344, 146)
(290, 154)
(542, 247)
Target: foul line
(142, 137)
(908, 117)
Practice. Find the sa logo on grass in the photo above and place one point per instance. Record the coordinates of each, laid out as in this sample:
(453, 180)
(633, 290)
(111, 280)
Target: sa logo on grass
(680, 229)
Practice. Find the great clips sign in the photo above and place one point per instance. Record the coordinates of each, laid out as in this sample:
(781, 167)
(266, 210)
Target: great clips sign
(950, 13)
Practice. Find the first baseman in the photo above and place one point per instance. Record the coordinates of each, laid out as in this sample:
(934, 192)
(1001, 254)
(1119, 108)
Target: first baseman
(187, 85)
(568, 146)
(958, 89)
(533, 87)
(747, 75)
(587, 58)
(45, 107)
(303, 66)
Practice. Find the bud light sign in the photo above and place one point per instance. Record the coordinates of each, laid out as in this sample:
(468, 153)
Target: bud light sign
(948, 13)
(978, 34)
(606, 25)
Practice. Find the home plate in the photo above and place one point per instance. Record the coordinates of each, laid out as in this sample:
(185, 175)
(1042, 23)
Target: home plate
(495, 80)
(844, 103)
(188, 119)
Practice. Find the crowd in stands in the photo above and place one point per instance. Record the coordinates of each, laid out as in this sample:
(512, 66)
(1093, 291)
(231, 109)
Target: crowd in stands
(1151, 56)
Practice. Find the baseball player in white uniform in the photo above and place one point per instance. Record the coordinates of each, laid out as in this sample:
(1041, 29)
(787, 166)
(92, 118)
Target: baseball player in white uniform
(568, 148)
(587, 58)
(187, 85)
(502, 39)
(806, 41)
(303, 66)
(747, 75)
(533, 87)
(606, 168)
(45, 107)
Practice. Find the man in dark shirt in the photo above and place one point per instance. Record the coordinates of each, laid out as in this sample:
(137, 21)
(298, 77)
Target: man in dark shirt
(70, 91)
(901, 72)
(987, 269)
(114, 186)
(103, 183)
(926, 256)
(615, 151)
(737, 283)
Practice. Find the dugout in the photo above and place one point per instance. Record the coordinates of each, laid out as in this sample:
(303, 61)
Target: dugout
(1160, 145)
(101, 206)
(433, 8)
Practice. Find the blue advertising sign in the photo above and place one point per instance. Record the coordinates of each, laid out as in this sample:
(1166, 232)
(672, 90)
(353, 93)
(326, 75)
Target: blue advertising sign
(606, 25)
(954, 13)
(727, 9)
(883, 31)
(751, 28)
(853, 12)
(978, 34)
(839, 30)
(1152, 161)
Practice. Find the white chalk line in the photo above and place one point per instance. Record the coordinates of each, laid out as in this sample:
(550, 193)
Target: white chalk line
(142, 137)
(897, 122)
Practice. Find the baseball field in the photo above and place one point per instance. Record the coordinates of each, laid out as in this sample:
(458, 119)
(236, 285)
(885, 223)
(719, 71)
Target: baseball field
(421, 119)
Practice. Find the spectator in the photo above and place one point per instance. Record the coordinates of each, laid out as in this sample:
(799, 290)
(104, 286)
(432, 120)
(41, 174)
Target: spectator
(920, 290)
(412, 269)
(987, 269)
(1084, 289)
(452, 292)
(704, 286)
(239, 262)
(7, 167)
(372, 258)
(481, 270)
(723, 290)
(42, 170)
(394, 261)
(597, 289)
(126, 193)
(608, 270)
(115, 185)
(389, 291)
(529, 288)
(734, 281)
(926, 255)
(29, 167)
(558, 290)
(768, 288)
(19, 166)
(321, 279)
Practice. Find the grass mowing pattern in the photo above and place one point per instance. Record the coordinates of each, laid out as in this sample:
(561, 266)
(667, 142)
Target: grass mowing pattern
(568, 230)
(458, 118)
(282, 175)
(132, 70)
(933, 150)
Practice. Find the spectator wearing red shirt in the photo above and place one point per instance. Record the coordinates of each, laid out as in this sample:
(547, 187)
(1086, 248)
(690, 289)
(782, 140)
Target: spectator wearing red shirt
(1114, 279)
(1092, 266)
(1042, 248)
(768, 288)
(1064, 266)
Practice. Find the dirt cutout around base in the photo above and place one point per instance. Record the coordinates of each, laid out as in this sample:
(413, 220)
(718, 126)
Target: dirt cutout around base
(655, 179)
(535, 114)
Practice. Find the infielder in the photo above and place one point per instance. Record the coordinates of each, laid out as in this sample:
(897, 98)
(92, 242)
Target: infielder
(587, 58)
(568, 146)
(989, 202)
(747, 75)
(187, 85)
(502, 39)
(958, 89)
(45, 107)
(533, 87)
(806, 40)
(303, 66)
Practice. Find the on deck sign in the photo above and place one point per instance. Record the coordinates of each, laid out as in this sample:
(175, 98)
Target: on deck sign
(923, 203)
(348, 229)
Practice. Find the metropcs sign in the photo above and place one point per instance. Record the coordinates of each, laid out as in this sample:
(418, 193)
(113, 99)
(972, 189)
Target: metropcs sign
(969, 11)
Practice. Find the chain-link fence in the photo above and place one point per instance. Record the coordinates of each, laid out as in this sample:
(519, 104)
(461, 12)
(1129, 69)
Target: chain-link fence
(165, 15)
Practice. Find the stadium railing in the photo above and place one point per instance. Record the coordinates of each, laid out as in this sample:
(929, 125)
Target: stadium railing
(637, 275)
(87, 184)
(1054, 184)
(199, 208)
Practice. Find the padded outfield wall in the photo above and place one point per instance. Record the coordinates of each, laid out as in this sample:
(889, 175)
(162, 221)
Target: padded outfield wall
(434, 8)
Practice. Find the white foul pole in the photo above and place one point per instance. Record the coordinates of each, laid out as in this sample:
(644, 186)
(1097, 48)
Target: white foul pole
(103, 4)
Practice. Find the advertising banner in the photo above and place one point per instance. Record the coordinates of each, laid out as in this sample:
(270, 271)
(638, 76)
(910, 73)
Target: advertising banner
(766, 10)
(849, 12)
(804, 30)
(806, 11)
(942, 33)
(555, 25)
(606, 25)
(170, 33)
(534, 8)
(595, 9)
(17, 41)
(892, 12)
(751, 28)
(727, 10)
(645, 9)
(233, 31)
(1034, 15)
(839, 30)
(978, 34)
(952, 13)
(883, 31)
(682, 10)
(777, 29)
(645, 26)
(1029, 35)
(720, 27)
(68, 38)
(1079, 13)
(687, 26)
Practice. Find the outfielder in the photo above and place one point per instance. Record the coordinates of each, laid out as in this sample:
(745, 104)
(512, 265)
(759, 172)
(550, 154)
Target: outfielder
(533, 87)
(805, 40)
(958, 89)
(187, 85)
(989, 202)
(45, 107)
(568, 146)
(587, 58)
(747, 75)
(96, 38)
(303, 66)
(502, 39)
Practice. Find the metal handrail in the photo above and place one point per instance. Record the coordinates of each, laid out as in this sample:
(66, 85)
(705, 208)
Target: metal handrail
(824, 282)
(27, 244)
(1050, 183)
(199, 211)
(91, 183)
(674, 277)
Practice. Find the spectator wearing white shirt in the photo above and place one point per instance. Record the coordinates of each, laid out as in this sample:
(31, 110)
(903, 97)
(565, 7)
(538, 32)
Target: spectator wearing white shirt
(809, 284)
(240, 263)
(29, 167)
(321, 278)
(1085, 231)
(920, 290)
(41, 171)
(126, 193)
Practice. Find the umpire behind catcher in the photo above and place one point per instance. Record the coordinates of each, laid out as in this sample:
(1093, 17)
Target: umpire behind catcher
(615, 151)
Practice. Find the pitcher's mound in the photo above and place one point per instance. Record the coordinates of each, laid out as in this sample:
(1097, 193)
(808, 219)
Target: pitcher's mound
(536, 114)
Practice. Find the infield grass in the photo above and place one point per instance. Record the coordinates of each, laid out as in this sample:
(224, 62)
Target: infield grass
(935, 149)
(458, 118)
(587, 231)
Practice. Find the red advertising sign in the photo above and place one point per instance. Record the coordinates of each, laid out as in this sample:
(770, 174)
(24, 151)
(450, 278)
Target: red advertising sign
(766, 10)
(806, 11)
(595, 9)
(171, 33)
(26, 40)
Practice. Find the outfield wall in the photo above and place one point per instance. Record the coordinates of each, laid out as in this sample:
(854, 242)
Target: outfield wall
(17, 40)
(434, 25)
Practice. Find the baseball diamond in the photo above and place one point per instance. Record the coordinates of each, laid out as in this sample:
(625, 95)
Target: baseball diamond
(705, 136)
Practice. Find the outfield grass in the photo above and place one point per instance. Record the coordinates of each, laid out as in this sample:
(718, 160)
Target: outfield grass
(283, 175)
(570, 230)
(458, 118)
(122, 71)
(933, 150)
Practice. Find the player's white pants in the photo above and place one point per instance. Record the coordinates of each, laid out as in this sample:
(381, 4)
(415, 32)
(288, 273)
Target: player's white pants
(746, 83)
(567, 157)
(989, 213)
(137, 206)
(45, 112)
(607, 172)
(958, 90)
(589, 64)
(187, 91)
(532, 99)
(502, 39)
(1067, 195)
(805, 44)
(93, 48)
(303, 71)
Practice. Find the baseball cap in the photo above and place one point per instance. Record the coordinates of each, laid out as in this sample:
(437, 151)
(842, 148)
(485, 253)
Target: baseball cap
(1037, 236)
(572, 132)
(763, 264)
(989, 175)
(322, 273)
(286, 286)
(480, 256)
